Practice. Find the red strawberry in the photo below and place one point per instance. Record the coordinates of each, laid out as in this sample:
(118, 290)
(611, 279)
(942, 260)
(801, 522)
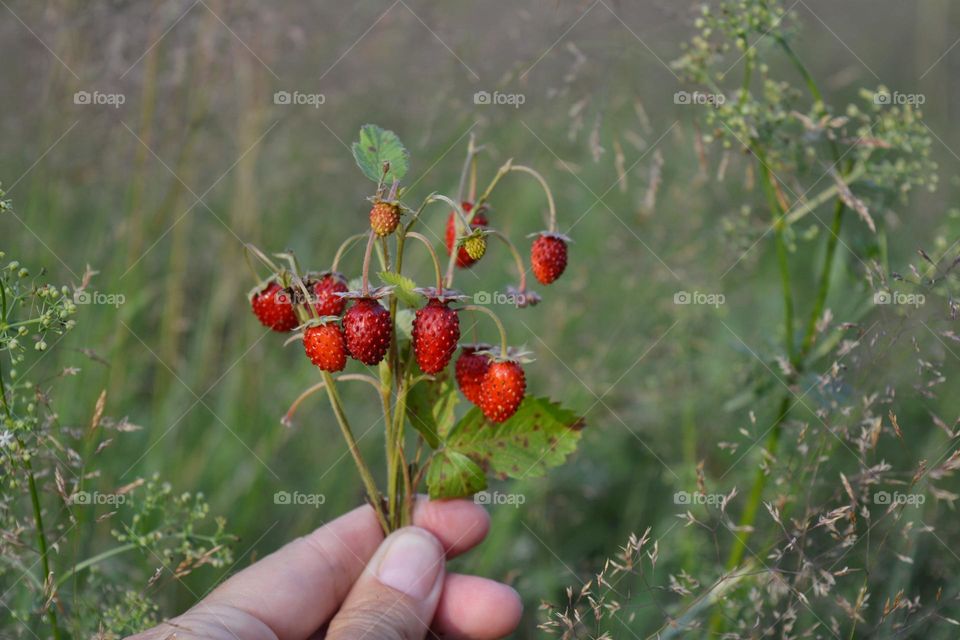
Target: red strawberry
(273, 306)
(367, 327)
(502, 390)
(384, 218)
(471, 367)
(326, 302)
(436, 329)
(479, 220)
(326, 347)
(548, 257)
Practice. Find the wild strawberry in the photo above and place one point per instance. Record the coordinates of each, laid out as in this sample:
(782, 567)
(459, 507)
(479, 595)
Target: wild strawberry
(326, 347)
(384, 218)
(470, 368)
(475, 246)
(501, 390)
(464, 259)
(367, 328)
(324, 290)
(273, 306)
(548, 256)
(436, 329)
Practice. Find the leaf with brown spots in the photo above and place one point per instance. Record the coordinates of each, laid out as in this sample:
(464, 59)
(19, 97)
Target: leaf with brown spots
(540, 435)
(454, 475)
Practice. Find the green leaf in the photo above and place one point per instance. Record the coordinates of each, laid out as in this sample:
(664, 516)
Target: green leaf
(430, 407)
(404, 288)
(377, 146)
(540, 435)
(454, 475)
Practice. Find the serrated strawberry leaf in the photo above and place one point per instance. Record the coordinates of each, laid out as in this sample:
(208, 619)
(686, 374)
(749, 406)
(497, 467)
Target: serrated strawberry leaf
(540, 435)
(404, 288)
(377, 146)
(430, 407)
(454, 475)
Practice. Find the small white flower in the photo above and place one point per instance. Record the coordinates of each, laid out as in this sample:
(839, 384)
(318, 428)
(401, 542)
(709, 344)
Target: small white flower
(6, 439)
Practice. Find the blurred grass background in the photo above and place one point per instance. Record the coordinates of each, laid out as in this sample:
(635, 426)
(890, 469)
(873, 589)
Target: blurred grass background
(158, 194)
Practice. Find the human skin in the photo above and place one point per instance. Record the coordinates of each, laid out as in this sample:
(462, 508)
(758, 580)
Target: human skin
(344, 580)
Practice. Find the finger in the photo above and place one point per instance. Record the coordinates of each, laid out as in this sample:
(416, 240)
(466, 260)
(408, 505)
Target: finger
(459, 525)
(474, 608)
(397, 594)
(297, 588)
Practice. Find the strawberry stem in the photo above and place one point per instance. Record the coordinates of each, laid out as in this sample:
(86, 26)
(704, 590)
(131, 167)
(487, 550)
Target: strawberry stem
(344, 246)
(516, 258)
(365, 286)
(372, 492)
(496, 319)
(262, 257)
(433, 256)
(468, 165)
(288, 416)
(507, 167)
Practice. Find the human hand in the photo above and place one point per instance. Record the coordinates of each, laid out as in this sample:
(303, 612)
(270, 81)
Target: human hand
(344, 581)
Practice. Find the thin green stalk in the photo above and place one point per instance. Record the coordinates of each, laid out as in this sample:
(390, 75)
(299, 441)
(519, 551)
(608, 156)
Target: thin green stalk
(97, 559)
(372, 492)
(824, 286)
(755, 497)
(35, 504)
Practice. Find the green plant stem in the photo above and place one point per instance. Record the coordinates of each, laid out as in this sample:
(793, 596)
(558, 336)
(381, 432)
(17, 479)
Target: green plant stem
(517, 259)
(433, 256)
(782, 255)
(34, 502)
(372, 492)
(94, 560)
(807, 76)
(496, 319)
(824, 286)
(748, 517)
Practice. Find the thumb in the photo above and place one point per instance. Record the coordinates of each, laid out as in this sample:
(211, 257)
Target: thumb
(397, 593)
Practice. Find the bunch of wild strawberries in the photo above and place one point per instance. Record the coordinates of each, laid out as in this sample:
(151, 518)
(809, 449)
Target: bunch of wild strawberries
(337, 323)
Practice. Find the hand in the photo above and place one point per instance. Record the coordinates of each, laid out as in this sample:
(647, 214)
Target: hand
(344, 581)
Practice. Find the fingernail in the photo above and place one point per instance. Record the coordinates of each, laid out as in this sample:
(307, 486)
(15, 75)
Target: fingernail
(412, 563)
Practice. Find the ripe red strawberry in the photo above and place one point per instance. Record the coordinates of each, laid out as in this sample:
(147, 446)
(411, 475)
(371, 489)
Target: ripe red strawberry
(384, 218)
(471, 367)
(326, 302)
(501, 390)
(367, 328)
(326, 347)
(436, 329)
(548, 257)
(464, 259)
(273, 306)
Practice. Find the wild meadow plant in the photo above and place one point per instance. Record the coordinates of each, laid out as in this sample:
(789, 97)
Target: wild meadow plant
(55, 498)
(838, 531)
